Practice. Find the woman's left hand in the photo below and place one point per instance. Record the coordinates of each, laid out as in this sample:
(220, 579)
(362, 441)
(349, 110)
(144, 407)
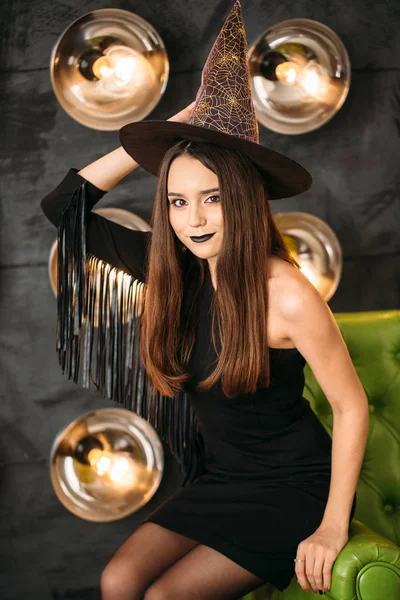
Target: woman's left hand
(319, 552)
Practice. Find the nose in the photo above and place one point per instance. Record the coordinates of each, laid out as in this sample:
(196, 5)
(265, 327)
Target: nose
(196, 216)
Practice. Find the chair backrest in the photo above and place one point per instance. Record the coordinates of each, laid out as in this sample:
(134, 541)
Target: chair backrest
(373, 342)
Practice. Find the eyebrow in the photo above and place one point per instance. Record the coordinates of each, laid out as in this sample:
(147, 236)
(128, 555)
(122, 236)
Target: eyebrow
(202, 192)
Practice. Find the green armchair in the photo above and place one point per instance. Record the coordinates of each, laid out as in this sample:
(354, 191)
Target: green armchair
(368, 567)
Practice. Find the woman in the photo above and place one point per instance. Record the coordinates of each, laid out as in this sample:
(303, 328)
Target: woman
(229, 319)
(266, 486)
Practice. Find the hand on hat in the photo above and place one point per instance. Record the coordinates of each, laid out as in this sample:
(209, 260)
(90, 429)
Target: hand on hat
(183, 115)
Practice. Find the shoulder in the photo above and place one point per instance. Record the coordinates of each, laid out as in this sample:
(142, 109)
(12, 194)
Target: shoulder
(292, 293)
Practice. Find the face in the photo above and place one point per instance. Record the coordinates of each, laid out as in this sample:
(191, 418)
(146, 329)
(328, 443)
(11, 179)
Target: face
(195, 206)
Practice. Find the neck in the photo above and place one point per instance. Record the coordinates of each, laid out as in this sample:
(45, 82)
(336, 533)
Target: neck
(211, 268)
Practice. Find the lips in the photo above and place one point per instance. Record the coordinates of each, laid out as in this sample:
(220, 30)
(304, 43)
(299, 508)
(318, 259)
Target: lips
(201, 238)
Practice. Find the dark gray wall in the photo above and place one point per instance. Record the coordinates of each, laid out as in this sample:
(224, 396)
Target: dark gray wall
(47, 552)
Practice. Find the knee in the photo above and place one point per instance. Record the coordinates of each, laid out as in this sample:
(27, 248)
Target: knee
(159, 592)
(111, 580)
(118, 581)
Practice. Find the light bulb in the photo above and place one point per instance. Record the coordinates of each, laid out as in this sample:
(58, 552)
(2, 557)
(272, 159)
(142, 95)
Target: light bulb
(102, 67)
(101, 460)
(311, 80)
(121, 469)
(122, 70)
(116, 466)
(288, 72)
(118, 64)
(318, 84)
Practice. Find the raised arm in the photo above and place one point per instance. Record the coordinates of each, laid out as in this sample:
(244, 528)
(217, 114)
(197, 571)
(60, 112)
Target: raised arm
(97, 334)
(120, 246)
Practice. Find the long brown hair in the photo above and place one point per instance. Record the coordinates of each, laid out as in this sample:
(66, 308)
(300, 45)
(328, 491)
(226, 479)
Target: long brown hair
(240, 303)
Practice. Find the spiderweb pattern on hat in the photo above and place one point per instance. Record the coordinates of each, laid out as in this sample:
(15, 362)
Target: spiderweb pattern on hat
(223, 100)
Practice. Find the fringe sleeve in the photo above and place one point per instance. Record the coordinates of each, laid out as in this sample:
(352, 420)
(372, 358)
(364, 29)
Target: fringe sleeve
(98, 335)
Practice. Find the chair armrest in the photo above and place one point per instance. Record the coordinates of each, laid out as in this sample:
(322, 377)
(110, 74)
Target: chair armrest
(368, 567)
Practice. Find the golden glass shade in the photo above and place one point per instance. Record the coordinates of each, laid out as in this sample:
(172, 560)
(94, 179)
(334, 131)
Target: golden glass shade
(106, 464)
(109, 68)
(300, 73)
(316, 248)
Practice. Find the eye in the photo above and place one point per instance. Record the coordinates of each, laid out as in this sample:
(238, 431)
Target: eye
(173, 203)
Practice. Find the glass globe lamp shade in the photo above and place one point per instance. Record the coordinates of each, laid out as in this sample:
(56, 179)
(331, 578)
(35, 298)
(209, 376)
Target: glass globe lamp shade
(109, 68)
(300, 74)
(315, 246)
(106, 464)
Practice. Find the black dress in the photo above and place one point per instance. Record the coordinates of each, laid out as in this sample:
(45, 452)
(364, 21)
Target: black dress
(268, 457)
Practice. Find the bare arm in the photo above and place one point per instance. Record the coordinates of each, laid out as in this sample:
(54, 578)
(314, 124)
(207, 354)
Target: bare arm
(119, 246)
(313, 329)
(108, 170)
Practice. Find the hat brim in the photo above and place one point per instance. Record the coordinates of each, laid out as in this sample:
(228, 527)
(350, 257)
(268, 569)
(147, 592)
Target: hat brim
(147, 142)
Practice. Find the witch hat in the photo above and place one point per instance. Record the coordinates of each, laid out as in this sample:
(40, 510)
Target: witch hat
(223, 113)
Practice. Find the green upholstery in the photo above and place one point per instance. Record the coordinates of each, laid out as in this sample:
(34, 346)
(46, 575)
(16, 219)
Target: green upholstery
(368, 567)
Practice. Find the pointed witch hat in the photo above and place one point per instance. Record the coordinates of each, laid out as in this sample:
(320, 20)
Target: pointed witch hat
(223, 114)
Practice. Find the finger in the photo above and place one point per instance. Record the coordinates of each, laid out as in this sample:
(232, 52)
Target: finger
(310, 561)
(182, 115)
(318, 573)
(300, 573)
(188, 107)
(327, 573)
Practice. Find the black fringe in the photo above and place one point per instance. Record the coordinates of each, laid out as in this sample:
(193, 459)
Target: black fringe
(102, 347)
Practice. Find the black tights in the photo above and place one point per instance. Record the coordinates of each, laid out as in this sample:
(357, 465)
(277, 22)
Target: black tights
(154, 563)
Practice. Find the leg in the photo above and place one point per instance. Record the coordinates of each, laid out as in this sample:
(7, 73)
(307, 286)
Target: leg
(140, 559)
(202, 574)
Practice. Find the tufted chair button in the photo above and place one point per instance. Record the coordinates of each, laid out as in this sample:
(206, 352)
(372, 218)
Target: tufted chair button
(371, 408)
(388, 509)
